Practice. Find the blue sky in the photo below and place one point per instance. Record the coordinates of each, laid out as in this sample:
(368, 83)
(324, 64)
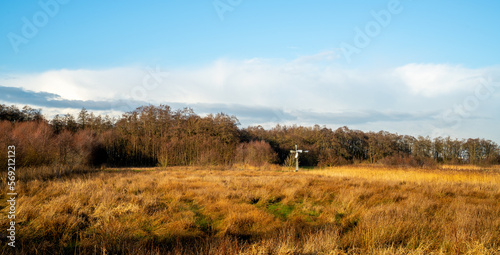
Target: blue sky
(420, 67)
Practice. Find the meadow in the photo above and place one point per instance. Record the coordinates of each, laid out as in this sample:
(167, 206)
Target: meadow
(360, 209)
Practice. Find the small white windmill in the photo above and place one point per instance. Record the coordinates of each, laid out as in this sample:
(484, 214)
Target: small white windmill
(297, 157)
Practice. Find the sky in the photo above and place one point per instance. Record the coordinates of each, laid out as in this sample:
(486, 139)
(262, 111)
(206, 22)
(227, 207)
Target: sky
(416, 67)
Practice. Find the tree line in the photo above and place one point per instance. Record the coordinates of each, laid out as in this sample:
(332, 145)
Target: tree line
(161, 136)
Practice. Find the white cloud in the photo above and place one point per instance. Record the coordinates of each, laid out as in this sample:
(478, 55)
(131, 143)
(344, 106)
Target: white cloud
(432, 80)
(306, 82)
(78, 84)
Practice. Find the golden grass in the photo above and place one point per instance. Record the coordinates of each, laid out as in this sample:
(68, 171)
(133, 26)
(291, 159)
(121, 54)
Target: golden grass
(179, 210)
(444, 174)
(470, 167)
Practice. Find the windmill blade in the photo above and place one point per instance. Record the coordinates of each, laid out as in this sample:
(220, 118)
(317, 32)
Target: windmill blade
(299, 151)
(296, 154)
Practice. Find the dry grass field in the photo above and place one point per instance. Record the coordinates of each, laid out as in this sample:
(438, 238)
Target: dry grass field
(179, 210)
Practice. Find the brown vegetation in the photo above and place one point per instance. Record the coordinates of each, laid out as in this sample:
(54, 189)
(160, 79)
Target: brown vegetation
(159, 136)
(347, 210)
(255, 153)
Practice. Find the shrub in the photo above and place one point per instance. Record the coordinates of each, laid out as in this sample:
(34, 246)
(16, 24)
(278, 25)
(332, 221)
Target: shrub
(255, 153)
(34, 143)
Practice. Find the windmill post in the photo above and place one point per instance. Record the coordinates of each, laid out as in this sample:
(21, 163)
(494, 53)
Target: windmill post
(296, 151)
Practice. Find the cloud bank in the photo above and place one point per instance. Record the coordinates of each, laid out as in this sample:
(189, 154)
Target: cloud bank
(308, 90)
